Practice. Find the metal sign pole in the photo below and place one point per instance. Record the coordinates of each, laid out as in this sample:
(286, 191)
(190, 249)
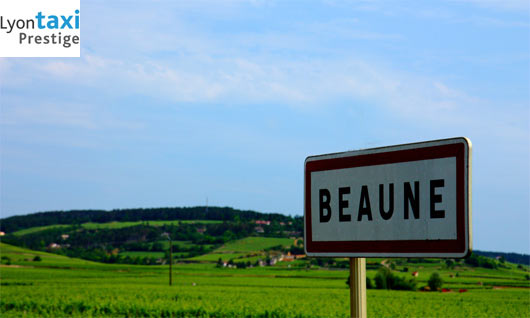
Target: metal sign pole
(357, 287)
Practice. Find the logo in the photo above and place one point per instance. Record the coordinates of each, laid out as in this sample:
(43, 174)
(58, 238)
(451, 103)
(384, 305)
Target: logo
(40, 28)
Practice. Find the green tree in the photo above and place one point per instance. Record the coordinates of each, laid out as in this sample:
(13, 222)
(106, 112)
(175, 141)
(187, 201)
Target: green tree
(435, 281)
(6, 260)
(385, 279)
(381, 278)
(369, 284)
(228, 236)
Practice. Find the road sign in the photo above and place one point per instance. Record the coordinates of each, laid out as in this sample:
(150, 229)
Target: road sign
(410, 200)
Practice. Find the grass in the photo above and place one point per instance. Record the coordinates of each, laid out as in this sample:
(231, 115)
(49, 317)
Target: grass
(253, 244)
(109, 225)
(114, 225)
(38, 229)
(118, 225)
(247, 249)
(134, 254)
(24, 257)
(181, 244)
(213, 257)
(59, 286)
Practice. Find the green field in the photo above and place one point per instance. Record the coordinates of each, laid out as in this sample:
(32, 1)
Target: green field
(38, 229)
(142, 254)
(213, 257)
(119, 225)
(58, 286)
(253, 244)
(247, 249)
(114, 225)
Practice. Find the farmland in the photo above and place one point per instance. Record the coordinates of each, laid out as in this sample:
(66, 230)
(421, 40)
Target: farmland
(113, 225)
(58, 286)
(249, 249)
(106, 264)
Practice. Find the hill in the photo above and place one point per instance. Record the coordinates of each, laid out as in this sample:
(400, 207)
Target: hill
(17, 256)
(135, 235)
(515, 258)
(140, 236)
(20, 222)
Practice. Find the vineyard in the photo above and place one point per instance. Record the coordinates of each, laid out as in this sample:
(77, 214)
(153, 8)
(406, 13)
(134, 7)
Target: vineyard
(60, 286)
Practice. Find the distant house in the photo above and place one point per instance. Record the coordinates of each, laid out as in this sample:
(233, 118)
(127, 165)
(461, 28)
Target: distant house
(291, 257)
(201, 230)
(259, 229)
(65, 236)
(415, 274)
(54, 246)
(2, 233)
(262, 222)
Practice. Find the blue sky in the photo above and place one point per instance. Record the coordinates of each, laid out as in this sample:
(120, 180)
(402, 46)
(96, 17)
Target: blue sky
(175, 102)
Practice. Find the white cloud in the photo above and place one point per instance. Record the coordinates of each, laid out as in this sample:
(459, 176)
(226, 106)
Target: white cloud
(25, 112)
(183, 64)
(302, 84)
(517, 5)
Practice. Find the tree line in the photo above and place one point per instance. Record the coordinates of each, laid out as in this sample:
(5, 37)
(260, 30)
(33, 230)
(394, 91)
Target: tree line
(20, 222)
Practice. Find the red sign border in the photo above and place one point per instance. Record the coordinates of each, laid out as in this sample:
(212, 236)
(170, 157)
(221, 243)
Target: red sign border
(457, 248)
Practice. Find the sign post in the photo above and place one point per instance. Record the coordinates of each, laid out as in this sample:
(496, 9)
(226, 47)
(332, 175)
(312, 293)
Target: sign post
(357, 287)
(411, 200)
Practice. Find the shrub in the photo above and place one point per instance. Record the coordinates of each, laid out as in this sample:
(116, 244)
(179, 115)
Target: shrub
(381, 278)
(480, 261)
(6, 260)
(369, 284)
(219, 262)
(385, 279)
(435, 281)
(37, 258)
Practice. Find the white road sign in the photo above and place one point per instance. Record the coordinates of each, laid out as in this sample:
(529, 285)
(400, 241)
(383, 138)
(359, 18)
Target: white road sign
(409, 200)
